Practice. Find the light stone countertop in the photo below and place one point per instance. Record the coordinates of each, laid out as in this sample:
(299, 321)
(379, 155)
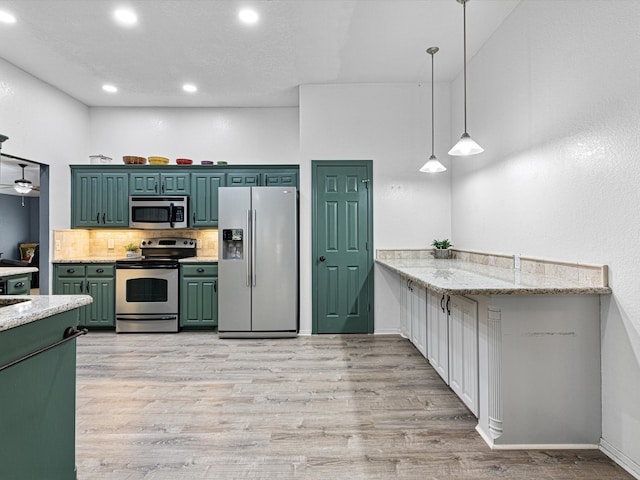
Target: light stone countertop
(199, 260)
(456, 277)
(7, 271)
(86, 260)
(37, 307)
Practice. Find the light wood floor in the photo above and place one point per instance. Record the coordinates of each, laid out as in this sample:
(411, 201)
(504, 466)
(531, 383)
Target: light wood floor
(190, 406)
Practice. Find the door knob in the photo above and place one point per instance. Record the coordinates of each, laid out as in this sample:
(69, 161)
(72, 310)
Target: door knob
(322, 258)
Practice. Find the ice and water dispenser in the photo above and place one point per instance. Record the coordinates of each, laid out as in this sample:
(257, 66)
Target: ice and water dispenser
(232, 244)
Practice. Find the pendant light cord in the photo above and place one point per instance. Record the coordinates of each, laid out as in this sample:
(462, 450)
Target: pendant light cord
(432, 107)
(464, 42)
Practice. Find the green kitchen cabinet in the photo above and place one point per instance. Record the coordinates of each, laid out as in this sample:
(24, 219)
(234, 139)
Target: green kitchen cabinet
(159, 183)
(244, 178)
(204, 199)
(38, 400)
(18, 284)
(199, 295)
(278, 178)
(97, 280)
(99, 200)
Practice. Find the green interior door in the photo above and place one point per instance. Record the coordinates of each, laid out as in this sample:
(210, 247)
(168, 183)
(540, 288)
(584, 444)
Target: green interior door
(342, 240)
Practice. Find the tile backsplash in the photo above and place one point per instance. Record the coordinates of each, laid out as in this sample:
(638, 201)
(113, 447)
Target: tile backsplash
(78, 243)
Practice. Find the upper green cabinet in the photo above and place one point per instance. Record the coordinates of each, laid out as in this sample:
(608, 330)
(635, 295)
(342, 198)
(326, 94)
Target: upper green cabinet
(99, 200)
(244, 178)
(204, 199)
(159, 183)
(281, 179)
(100, 193)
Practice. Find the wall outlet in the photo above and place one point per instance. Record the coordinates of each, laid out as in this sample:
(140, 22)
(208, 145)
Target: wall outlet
(516, 262)
(110, 243)
(58, 245)
(199, 243)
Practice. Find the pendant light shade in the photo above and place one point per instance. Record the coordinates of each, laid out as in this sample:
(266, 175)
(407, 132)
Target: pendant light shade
(466, 145)
(432, 165)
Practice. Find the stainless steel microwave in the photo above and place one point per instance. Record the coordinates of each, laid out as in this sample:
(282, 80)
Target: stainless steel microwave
(158, 212)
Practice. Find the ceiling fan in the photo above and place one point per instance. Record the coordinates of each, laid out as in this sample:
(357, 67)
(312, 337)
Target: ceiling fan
(21, 186)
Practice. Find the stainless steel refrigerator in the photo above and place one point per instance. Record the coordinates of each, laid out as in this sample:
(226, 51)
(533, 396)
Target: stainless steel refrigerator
(257, 262)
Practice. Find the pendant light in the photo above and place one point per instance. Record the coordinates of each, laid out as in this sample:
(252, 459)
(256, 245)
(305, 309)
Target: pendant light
(23, 185)
(466, 145)
(432, 165)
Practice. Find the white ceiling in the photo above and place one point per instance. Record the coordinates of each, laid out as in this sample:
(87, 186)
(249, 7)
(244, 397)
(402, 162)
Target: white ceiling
(76, 46)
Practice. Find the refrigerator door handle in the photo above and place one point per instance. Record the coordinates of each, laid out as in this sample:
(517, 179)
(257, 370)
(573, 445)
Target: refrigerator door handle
(253, 248)
(248, 253)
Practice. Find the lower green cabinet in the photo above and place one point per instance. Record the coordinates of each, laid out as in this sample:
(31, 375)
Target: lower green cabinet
(18, 284)
(97, 280)
(199, 295)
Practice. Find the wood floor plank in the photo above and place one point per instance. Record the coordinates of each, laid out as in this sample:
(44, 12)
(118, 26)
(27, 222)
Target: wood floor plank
(191, 406)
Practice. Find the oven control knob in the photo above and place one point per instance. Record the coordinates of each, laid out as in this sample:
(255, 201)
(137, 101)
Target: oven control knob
(185, 242)
(144, 243)
(150, 242)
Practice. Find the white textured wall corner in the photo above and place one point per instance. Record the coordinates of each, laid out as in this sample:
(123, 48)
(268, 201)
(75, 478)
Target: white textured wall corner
(45, 125)
(391, 125)
(553, 99)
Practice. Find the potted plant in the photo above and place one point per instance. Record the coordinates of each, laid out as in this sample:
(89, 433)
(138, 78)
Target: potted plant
(441, 248)
(132, 250)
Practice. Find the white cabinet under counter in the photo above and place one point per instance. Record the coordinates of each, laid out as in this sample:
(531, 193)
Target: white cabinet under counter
(521, 350)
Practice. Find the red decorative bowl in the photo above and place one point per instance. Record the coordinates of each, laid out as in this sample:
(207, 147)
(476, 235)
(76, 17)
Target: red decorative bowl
(184, 161)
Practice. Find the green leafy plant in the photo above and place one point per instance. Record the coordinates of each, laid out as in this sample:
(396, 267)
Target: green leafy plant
(442, 244)
(132, 247)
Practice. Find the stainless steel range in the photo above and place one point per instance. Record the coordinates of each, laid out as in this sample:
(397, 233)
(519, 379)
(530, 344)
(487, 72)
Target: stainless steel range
(147, 287)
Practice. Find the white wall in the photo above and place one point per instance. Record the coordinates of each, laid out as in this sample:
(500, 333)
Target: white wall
(554, 100)
(237, 135)
(45, 125)
(391, 125)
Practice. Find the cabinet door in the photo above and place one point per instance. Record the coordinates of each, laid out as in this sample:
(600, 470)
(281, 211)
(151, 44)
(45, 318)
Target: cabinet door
(175, 184)
(72, 286)
(86, 195)
(280, 179)
(144, 183)
(438, 335)
(463, 351)
(405, 308)
(247, 178)
(204, 199)
(419, 318)
(102, 312)
(199, 302)
(115, 200)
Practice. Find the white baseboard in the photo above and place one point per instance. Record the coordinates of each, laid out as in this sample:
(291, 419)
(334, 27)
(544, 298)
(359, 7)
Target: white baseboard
(620, 458)
(387, 331)
(304, 333)
(535, 446)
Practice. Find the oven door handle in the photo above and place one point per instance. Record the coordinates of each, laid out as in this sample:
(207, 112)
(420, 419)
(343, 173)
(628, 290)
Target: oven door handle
(171, 215)
(163, 266)
(173, 317)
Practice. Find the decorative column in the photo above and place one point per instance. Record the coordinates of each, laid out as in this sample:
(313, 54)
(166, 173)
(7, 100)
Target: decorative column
(495, 371)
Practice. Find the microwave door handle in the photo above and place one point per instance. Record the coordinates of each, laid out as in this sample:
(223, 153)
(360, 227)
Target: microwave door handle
(171, 215)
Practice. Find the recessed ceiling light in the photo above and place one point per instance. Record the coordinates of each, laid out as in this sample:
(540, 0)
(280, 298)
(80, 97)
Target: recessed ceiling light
(125, 17)
(6, 17)
(187, 87)
(110, 88)
(248, 16)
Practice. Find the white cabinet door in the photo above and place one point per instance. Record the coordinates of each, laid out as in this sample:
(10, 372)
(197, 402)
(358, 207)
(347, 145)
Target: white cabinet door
(419, 318)
(463, 350)
(438, 333)
(405, 308)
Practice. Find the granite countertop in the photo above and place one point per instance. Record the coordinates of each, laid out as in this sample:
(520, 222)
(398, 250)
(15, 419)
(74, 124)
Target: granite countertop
(86, 260)
(198, 259)
(7, 271)
(36, 307)
(458, 277)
